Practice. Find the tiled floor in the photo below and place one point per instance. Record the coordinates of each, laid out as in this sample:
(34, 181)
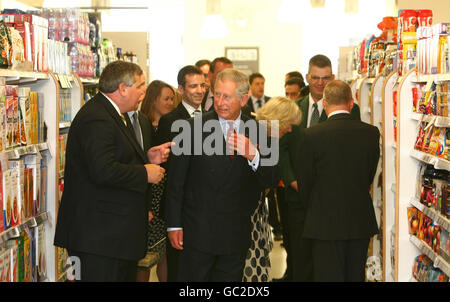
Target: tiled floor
(277, 259)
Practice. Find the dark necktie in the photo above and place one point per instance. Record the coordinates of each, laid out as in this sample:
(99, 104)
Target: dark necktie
(137, 128)
(314, 116)
(259, 102)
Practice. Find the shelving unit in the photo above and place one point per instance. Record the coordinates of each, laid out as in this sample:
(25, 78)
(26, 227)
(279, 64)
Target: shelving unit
(48, 86)
(389, 151)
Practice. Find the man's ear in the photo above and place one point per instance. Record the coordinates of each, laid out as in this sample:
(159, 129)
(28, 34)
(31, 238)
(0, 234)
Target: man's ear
(333, 77)
(123, 89)
(181, 89)
(351, 103)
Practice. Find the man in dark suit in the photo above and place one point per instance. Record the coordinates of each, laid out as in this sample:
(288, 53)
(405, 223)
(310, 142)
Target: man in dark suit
(210, 194)
(217, 65)
(103, 215)
(299, 268)
(257, 98)
(336, 166)
(191, 84)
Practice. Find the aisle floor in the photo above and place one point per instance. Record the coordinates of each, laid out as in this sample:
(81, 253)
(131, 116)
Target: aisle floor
(277, 259)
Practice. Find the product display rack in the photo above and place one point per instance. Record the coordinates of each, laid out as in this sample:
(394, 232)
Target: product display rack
(367, 94)
(48, 86)
(389, 152)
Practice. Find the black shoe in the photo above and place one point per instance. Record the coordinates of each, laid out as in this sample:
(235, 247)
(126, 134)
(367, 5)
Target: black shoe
(282, 279)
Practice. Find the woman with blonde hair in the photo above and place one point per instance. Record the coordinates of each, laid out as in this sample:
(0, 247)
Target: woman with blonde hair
(280, 114)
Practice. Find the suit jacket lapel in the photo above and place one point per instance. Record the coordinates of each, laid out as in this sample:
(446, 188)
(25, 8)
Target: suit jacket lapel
(116, 117)
(146, 131)
(303, 103)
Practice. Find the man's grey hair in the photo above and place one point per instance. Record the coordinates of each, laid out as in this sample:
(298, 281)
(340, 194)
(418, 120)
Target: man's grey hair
(118, 72)
(236, 76)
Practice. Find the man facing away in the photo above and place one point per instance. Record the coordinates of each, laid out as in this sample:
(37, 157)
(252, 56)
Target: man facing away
(337, 162)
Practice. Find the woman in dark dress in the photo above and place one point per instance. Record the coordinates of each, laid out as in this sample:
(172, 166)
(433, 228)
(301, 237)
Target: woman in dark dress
(158, 101)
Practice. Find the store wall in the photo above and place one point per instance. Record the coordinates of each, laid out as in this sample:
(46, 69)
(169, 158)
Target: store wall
(440, 8)
(283, 46)
(136, 42)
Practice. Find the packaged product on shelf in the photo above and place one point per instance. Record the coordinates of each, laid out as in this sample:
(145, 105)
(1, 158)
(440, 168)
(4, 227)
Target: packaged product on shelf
(38, 37)
(12, 125)
(413, 221)
(19, 209)
(444, 249)
(5, 46)
(33, 165)
(7, 202)
(2, 267)
(25, 115)
(41, 256)
(7, 262)
(26, 256)
(33, 253)
(42, 197)
(2, 213)
(16, 246)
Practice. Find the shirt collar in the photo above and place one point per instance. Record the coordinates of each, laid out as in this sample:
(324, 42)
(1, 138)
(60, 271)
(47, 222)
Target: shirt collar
(319, 103)
(112, 103)
(338, 112)
(236, 123)
(189, 108)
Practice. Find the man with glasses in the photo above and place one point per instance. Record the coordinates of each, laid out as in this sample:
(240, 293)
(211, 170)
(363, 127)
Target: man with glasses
(299, 265)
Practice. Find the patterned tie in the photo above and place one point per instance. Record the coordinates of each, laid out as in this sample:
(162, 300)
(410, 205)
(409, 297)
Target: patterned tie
(259, 102)
(229, 133)
(314, 116)
(123, 119)
(137, 129)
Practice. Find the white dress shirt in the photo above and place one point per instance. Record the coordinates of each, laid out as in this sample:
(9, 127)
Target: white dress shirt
(190, 109)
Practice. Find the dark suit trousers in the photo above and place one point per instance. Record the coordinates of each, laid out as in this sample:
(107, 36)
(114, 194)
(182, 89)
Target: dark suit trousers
(172, 255)
(339, 260)
(301, 248)
(196, 266)
(95, 268)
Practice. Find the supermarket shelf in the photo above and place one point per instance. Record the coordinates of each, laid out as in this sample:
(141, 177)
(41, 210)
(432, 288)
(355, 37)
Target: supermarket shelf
(26, 150)
(438, 121)
(438, 163)
(22, 76)
(445, 77)
(30, 223)
(438, 261)
(91, 81)
(432, 213)
(63, 125)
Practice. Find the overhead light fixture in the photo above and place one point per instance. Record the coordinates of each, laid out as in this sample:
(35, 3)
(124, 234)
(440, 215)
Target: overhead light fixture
(291, 11)
(317, 3)
(213, 26)
(351, 6)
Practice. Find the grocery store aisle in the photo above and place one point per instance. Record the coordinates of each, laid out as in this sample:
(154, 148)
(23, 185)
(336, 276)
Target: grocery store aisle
(277, 259)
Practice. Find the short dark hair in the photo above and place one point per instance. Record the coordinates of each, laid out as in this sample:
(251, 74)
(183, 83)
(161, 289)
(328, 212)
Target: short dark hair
(116, 73)
(295, 81)
(294, 74)
(200, 63)
(320, 61)
(189, 69)
(220, 59)
(254, 76)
